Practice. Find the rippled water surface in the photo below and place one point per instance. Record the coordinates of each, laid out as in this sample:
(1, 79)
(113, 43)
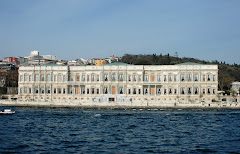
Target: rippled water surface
(74, 130)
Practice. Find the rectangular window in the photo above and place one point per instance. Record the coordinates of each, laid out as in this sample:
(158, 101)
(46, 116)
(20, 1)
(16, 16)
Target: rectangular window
(36, 90)
(64, 77)
(48, 77)
(105, 77)
(175, 91)
(159, 78)
(134, 91)
(92, 90)
(120, 90)
(146, 91)
(145, 77)
(134, 78)
(30, 78)
(209, 91)
(30, 90)
(87, 91)
(165, 91)
(105, 90)
(36, 77)
(113, 77)
(182, 77)
(165, 78)
(139, 78)
(59, 90)
(25, 90)
(204, 78)
(71, 78)
(55, 78)
(159, 91)
(42, 77)
(208, 77)
(196, 77)
(97, 91)
(129, 78)
(93, 77)
(78, 77)
(129, 91)
(175, 77)
(189, 77)
(213, 91)
(214, 77)
(203, 91)
(189, 90)
(152, 78)
(182, 91)
(121, 77)
(170, 90)
(139, 91)
(48, 90)
(170, 77)
(42, 89)
(70, 90)
(59, 77)
(64, 91)
(25, 77)
(83, 77)
(21, 77)
(97, 77)
(54, 90)
(87, 77)
(196, 91)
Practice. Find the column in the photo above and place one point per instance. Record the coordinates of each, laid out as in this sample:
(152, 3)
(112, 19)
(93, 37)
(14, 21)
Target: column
(116, 89)
(148, 90)
(39, 90)
(155, 90)
(33, 92)
(80, 77)
(51, 91)
(45, 91)
(80, 90)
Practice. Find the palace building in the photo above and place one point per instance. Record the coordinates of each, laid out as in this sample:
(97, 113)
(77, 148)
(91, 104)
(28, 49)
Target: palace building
(119, 82)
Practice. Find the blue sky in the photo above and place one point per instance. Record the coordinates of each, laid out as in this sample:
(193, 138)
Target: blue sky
(70, 29)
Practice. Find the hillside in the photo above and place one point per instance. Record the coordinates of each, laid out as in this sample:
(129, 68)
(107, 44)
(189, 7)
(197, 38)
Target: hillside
(227, 73)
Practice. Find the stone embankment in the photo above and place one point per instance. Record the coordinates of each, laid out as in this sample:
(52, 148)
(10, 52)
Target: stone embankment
(124, 105)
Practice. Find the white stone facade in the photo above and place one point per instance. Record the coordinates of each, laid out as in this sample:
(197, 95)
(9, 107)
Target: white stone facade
(116, 83)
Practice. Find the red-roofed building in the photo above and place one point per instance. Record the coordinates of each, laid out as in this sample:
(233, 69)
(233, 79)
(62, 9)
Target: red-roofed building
(13, 60)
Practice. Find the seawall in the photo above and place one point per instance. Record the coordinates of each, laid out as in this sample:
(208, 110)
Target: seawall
(123, 105)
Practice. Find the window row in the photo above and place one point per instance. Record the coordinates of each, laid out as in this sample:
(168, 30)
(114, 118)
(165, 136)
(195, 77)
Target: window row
(42, 77)
(188, 77)
(42, 90)
(120, 90)
(120, 77)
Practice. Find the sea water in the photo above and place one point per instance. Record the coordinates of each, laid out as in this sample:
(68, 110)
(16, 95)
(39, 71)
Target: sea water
(75, 130)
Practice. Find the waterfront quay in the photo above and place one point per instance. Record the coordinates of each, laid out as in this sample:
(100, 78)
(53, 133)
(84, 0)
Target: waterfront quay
(123, 105)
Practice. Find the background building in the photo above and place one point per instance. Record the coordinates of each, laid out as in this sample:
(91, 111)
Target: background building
(236, 87)
(8, 78)
(99, 61)
(13, 60)
(36, 59)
